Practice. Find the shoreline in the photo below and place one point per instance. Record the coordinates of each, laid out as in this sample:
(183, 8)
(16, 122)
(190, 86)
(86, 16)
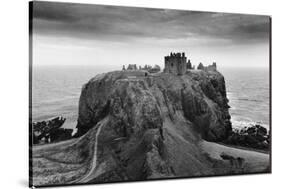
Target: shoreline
(245, 148)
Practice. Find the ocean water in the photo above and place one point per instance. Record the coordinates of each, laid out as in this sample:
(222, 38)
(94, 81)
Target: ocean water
(248, 93)
(56, 91)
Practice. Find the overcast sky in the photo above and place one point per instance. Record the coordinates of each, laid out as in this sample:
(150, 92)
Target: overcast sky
(109, 36)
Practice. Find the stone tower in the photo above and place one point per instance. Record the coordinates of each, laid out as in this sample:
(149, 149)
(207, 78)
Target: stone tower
(175, 64)
(188, 64)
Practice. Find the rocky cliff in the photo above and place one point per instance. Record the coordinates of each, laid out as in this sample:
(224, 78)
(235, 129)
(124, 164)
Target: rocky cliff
(136, 126)
(151, 124)
(198, 99)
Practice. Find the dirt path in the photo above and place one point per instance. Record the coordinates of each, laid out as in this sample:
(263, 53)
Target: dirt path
(88, 177)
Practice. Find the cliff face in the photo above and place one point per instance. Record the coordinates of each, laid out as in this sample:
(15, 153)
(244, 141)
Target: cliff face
(137, 104)
(151, 125)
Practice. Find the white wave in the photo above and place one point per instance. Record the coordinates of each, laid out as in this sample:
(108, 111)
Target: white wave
(239, 124)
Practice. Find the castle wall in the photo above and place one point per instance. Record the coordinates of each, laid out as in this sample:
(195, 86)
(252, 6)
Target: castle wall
(212, 67)
(175, 64)
(188, 65)
(171, 65)
(182, 66)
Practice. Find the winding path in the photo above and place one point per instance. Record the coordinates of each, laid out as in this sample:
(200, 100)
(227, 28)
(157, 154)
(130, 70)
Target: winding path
(87, 177)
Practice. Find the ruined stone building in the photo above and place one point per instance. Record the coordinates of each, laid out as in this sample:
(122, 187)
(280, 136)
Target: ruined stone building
(188, 65)
(155, 69)
(200, 66)
(176, 64)
(151, 69)
(212, 67)
(132, 67)
(148, 68)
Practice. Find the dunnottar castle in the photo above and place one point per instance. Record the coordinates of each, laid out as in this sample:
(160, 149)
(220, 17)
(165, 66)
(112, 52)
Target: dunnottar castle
(175, 63)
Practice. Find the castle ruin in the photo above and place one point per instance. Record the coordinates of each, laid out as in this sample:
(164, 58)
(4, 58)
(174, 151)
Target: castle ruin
(176, 64)
(132, 67)
(150, 69)
(212, 67)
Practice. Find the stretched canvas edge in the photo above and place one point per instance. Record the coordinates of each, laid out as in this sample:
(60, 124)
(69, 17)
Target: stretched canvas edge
(30, 33)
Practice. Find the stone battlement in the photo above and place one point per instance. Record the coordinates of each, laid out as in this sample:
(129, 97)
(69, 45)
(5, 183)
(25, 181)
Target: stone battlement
(176, 63)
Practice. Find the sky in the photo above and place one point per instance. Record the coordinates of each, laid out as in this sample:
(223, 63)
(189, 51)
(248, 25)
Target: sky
(112, 36)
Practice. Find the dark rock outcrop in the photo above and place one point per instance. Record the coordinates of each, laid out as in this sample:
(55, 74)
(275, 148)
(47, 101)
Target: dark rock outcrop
(50, 131)
(255, 136)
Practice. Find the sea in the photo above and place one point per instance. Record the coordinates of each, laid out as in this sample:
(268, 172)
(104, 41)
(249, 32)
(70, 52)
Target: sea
(56, 91)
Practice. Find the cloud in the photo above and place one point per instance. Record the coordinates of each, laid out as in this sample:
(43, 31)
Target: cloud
(115, 23)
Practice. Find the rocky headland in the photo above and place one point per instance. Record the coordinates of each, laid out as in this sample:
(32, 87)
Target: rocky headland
(137, 126)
